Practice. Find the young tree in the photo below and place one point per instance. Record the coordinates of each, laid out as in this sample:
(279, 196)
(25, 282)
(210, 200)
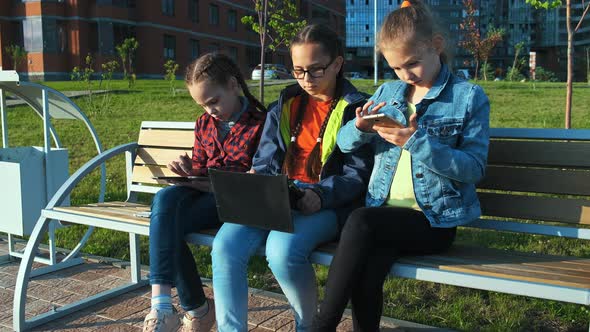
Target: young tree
(275, 25)
(126, 51)
(171, 67)
(550, 4)
(479, 47)
(17, 53)
(514, 71)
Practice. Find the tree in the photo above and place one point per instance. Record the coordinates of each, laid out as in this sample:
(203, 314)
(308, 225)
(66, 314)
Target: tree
(126, 51)
(550, 4)
(514, 71)
(275, 26)
(479, 47)
(171, 67)
(17, 53)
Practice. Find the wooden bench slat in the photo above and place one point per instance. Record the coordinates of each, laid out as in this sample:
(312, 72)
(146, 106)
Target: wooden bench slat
(157, 156)
(537, 180)
(144, 174)
(500, 272)
(98, 212)
(540, 153)
(167, 138)
(505, 260)
(572, 211)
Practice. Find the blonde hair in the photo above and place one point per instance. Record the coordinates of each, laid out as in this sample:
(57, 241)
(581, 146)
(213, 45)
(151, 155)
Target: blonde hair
(409, 26)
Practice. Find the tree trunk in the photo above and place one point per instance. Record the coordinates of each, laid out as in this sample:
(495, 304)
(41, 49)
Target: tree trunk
(476, 70)
(262, 49)
(570, 66)
(485, 70)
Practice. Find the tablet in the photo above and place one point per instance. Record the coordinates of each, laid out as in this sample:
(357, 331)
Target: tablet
(178, 178)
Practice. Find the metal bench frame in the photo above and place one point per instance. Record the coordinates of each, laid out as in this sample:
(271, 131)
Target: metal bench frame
(320, 256)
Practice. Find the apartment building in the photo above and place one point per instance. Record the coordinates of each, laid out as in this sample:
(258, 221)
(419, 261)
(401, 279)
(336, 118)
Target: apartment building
(543, 31)
(58, 34)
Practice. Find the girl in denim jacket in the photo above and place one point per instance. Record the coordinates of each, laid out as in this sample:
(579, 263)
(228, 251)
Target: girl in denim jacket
(423, 183)
(299, 139)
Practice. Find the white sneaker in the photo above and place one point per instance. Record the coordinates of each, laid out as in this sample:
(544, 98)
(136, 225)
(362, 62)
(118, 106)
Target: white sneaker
(157, 321)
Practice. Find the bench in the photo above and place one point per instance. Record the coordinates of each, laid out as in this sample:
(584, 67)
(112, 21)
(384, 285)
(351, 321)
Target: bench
(537, 182)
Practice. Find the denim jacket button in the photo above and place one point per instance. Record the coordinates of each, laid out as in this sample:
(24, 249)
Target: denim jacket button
(419, 175)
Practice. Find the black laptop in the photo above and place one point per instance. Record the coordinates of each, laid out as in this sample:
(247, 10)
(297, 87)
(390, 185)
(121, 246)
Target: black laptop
(252, 199)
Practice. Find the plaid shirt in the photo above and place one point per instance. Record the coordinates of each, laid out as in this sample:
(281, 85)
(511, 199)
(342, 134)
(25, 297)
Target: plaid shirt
(237, 149)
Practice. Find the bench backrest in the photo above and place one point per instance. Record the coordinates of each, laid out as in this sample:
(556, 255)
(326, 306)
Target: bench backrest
(533, 175)
(537, 181)
(158, 144)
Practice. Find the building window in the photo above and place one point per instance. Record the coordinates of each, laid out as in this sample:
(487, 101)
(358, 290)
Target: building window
(281, 59)
(195, 49)
(213, 14)
(33, 35)
(232, 20)
(352, 2)
(233, 53)
(169, 47)
(367, 39)
(193, 10)
(214, 47)
(366, 27)
(168, 7)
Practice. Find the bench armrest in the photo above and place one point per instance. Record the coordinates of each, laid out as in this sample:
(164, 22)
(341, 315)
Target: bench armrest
(88, 167)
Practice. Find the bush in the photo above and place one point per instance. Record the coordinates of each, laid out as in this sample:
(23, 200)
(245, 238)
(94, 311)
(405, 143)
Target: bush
(544, 75)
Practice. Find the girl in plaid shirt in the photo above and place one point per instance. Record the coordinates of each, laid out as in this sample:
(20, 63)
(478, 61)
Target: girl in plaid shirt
(226, 137)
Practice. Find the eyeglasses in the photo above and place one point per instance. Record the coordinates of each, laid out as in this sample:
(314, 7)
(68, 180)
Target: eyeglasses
(316, 72)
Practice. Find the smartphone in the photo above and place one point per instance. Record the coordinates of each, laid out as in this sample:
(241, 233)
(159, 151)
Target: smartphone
(178, 178)
(384, 120)
(143, 214)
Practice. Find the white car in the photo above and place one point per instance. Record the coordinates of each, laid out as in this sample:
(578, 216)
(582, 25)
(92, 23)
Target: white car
(272, 72)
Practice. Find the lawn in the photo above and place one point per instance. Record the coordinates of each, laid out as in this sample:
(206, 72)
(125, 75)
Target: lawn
(512, 105)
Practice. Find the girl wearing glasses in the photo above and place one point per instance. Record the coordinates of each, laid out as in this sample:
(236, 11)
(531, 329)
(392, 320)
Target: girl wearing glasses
(423, 184)
(299, 139)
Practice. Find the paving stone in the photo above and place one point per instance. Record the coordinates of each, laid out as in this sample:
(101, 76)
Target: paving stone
(136, 319)
(6, 297)
(290, 327)
(5, 329)
(10, 268)
(44, 292)
(109, 282)
(6, 318)
(38, 307)
(277, 322)
(7, 280)
(84, 288)
(345, 325)
(122, 306)
(52, 280)
(115, 327)
(262, 309)
(113, 271)
(69, 297)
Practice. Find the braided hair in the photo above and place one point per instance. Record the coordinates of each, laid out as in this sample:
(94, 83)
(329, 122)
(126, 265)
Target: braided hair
(219, 68)
(331, 44)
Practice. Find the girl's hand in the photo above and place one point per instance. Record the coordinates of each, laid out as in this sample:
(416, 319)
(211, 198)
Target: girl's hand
(398, 136)
(364, 125)
(309, 203)
(182, 166)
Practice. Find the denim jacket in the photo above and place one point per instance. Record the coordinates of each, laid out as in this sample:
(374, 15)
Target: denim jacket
(344, 176)
(449, 149)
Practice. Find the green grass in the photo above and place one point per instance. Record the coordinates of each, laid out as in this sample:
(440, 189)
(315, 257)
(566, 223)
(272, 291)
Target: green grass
(512, 105)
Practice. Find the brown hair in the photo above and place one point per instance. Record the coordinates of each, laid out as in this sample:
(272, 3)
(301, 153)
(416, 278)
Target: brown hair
(218, 68)
(412, 25)
(331, 45)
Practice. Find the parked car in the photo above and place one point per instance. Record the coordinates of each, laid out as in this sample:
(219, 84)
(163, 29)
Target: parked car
(353, 75)
(463, 73)
(272, 71)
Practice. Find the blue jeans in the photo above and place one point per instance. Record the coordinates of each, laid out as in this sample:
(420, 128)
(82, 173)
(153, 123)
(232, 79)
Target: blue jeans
(177, 211)
(288, 258)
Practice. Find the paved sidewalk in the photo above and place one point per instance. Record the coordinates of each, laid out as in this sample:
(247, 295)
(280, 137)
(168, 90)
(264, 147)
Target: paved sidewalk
(267, 311)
